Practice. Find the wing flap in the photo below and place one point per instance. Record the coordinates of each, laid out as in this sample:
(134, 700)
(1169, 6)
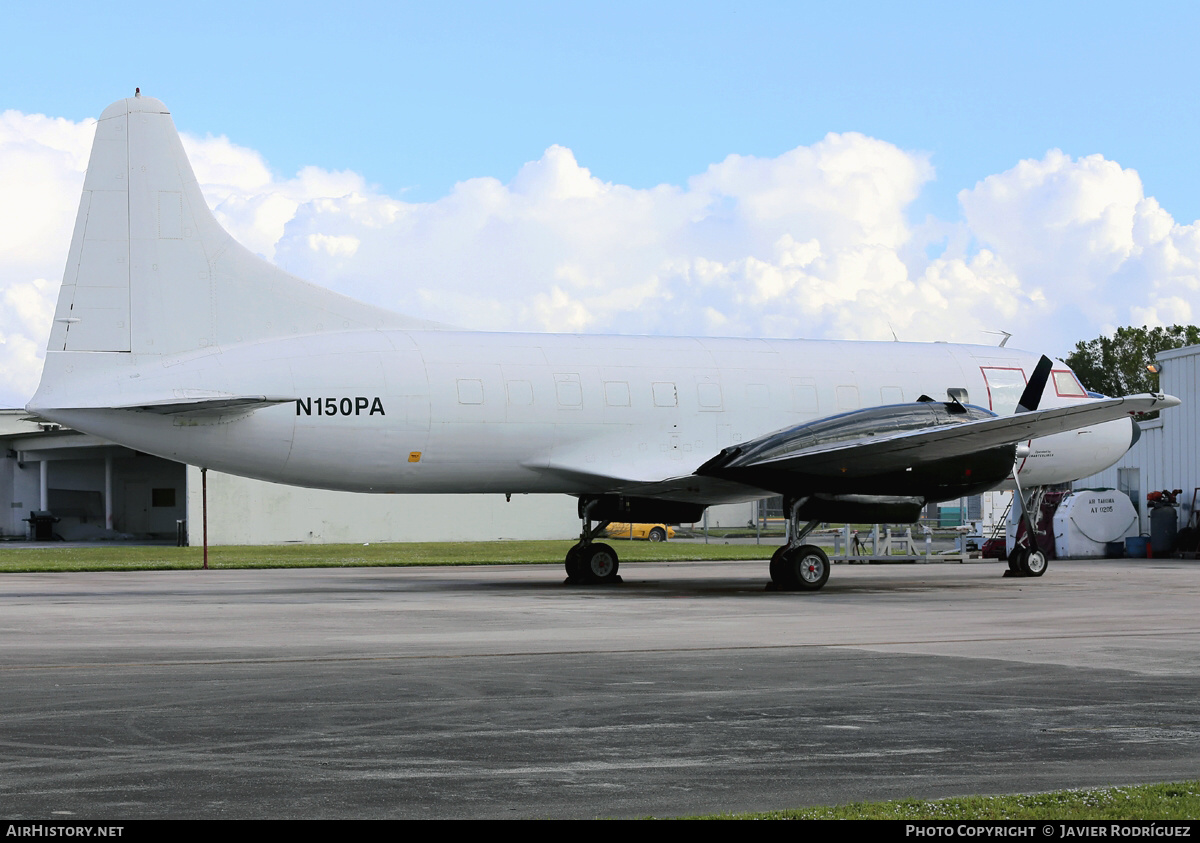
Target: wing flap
(685, 488)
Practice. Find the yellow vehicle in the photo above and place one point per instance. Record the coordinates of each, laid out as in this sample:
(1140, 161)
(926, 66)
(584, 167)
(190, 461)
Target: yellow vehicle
(650, 532)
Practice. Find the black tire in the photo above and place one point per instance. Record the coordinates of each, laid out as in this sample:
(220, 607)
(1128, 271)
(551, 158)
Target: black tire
(1014, 563)
(777, 573)
(574, 564)
(805, 568)
(600, 563)
(658, 534)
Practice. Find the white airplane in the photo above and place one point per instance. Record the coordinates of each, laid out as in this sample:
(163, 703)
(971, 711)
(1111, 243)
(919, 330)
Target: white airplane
(171, 338)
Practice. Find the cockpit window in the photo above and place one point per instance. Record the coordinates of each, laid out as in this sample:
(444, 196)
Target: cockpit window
(1004, 387)
(1067, 385)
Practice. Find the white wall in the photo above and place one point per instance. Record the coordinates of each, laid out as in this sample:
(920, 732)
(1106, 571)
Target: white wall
(243, 511)
(24, 489)
(731, 515)
(10, 517)
(993, 506)
(1168, 453)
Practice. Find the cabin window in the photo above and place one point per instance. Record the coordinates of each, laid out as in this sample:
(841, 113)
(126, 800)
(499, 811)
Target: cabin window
(709, 396)
(957, 393)
(616, 393)
(1004, 389)
(665, 394)
(847, 398)
(568, 389)
(470, 391)
(804, 396)
(520, 393)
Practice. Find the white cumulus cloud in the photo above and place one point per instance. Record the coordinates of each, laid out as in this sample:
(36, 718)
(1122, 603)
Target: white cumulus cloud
(1082, 234)
(42, 161)
(816, 242)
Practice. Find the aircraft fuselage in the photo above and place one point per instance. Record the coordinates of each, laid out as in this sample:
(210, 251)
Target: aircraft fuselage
(449, 411)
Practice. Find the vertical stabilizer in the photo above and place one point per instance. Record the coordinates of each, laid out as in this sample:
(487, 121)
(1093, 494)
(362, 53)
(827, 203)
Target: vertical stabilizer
(93, 304)
(150, 271)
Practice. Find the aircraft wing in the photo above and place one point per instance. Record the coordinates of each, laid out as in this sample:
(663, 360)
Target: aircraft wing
(647, 480)
(871, 452)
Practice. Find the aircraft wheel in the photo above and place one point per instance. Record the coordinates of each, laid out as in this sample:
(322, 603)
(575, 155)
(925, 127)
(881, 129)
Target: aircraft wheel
(777, 573)
(1031, 563)
(1014, 564)
(600, 563)
(805, 568)
(658, 534)
(574, 564)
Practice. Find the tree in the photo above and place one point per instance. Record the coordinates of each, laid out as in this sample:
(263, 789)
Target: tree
(1116, 365)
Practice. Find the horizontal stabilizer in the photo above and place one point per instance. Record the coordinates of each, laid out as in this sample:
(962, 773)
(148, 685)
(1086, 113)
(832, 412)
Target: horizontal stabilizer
(201, 407)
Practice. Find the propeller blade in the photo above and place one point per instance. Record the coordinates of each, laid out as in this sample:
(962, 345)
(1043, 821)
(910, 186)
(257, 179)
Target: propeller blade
(1032, 396)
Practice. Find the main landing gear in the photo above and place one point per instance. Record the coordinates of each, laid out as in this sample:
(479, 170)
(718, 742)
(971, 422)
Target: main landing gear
(1027, 559)
(797, 566)
(590, 561)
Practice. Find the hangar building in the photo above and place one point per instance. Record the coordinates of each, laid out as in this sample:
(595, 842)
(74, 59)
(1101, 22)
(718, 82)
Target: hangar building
(97, 489)
(1167, 456)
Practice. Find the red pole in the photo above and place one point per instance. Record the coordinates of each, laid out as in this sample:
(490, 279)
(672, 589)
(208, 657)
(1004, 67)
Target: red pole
(204, 510)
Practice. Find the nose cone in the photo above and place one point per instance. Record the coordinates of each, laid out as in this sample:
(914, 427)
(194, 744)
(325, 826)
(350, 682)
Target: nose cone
(1137, 432)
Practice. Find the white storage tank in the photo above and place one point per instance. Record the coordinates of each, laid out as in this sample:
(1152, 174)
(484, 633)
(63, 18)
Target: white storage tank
(1088, 519)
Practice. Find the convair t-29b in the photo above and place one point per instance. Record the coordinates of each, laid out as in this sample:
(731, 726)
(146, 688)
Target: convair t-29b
(172, 339)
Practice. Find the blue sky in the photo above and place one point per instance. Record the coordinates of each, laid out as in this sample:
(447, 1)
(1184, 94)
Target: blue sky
(856, 171)
(418, 96)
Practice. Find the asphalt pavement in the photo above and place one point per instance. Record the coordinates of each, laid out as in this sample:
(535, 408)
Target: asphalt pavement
(502, 692)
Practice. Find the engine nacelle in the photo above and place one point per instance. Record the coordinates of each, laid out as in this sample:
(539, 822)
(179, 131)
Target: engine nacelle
(638, 510)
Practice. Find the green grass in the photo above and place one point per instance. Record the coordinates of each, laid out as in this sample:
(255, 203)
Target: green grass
(15, 558)
(1178, 801)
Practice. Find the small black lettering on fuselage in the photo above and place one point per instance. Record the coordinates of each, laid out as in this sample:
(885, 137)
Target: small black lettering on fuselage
(357, 406)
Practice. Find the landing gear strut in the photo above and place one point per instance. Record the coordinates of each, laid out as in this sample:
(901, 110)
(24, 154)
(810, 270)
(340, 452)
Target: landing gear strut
(1027, 559)
(590, 561)
(797, 566)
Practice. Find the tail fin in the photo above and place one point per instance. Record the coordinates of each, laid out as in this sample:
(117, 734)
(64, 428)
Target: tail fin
(150, 271)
